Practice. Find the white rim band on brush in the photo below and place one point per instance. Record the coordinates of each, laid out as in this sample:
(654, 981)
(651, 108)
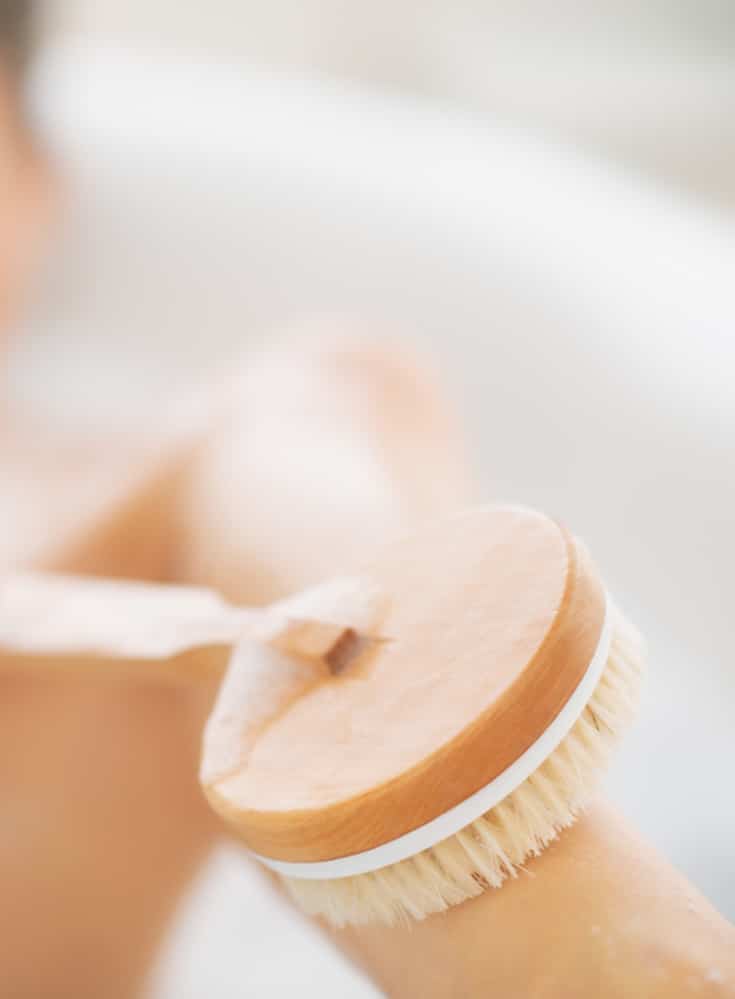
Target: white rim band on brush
(469, 810)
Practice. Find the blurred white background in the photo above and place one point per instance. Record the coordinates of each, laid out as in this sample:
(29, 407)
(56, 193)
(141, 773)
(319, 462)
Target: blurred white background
(651, 84)
(543, 200)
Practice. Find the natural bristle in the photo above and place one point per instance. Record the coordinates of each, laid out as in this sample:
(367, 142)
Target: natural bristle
(495, 846)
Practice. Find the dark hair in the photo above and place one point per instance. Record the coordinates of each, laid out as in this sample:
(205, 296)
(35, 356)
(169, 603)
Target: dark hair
(17, 32)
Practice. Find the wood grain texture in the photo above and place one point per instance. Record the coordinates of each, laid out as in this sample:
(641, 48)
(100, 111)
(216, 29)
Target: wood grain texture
(493, 617)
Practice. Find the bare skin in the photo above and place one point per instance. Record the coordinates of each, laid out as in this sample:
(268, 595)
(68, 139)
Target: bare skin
(104, 824)
(26, 202)
(599, 913)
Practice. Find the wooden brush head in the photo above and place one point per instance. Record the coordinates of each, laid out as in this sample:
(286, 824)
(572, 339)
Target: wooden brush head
(489, 622)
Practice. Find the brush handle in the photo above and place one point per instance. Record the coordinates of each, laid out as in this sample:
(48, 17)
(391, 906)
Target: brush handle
(189, 632)
(67, 620)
